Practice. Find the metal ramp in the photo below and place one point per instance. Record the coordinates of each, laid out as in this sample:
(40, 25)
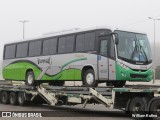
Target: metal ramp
(78, 95)
(100, 98)
(48, 97)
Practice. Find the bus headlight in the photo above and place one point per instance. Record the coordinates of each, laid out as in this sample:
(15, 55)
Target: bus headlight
(123, 66)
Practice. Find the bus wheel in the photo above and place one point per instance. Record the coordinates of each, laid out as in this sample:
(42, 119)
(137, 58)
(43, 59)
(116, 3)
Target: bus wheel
(89, 78)
(21, 99)
(4, 97)
(13, 98)
(155, 109)
(138, 105)
(30, 78)
(119, 83)
(57, 83)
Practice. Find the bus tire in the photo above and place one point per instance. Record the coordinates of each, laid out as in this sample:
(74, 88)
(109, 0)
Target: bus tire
(4, 97)
(21, 99)
(30, 78)
(57, 83)
(155, 109)
(89, 78)
(13, 98)
(138, 105)
(119, 83)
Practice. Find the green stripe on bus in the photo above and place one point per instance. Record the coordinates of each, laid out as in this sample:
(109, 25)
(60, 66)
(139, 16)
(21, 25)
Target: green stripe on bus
(17, 71)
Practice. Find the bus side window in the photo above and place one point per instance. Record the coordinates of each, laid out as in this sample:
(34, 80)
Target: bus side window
(80, 42)
(61, 45)
(10, 51)
(22, 50)
(89, 41)
(103, 47)
(66, 44)
(49, 46)
(69, 44)
(35, 48)
(85, 42)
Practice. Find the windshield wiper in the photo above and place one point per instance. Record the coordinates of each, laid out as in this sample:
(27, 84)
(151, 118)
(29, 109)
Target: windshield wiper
(144, 53)
(138, 45)
(141, 47)
(135, 49)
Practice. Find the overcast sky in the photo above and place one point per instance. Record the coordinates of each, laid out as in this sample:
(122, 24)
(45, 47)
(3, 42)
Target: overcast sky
(45, 16)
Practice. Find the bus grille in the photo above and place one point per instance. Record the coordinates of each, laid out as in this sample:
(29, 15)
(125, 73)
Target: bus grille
(139, 70)
(138, 76)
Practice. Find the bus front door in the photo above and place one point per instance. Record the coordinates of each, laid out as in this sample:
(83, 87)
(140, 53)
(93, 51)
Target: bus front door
(103, 62)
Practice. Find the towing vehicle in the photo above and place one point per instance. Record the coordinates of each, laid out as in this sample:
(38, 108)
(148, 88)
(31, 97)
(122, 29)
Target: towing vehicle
(134, 99)
(92, 56)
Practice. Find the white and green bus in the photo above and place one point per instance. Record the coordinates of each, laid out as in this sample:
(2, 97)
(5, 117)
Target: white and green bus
(92, 56)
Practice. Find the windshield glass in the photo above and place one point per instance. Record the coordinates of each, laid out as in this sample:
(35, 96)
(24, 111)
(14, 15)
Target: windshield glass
(133, 47)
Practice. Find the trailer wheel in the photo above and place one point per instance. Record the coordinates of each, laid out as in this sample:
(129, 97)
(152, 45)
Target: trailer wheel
(119, 83)
(4, 97)
(138, 105)
(89, 78)
(13, 98)
(21, 99)
(30, 78)
(155, 109)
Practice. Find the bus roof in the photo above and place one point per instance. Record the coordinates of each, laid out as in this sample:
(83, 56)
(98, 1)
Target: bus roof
(75, 30)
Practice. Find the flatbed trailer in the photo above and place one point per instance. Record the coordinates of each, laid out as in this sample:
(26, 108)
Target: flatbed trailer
(134, 99)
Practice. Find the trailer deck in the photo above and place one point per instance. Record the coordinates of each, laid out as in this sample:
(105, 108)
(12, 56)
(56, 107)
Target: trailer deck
(131, 98)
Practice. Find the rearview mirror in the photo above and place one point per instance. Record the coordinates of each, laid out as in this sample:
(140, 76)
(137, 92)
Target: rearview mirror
(116, 37)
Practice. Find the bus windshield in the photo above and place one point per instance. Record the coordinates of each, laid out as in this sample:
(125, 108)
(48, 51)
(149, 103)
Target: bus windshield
(133, 47)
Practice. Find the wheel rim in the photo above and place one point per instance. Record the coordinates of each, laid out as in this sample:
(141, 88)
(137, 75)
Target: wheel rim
(12, 99)
(30, 79)
(137, 107)
(20, 98)
(89, 78)
(4, 98)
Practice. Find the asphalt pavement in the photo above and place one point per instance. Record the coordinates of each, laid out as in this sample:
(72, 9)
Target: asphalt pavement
(91, 112)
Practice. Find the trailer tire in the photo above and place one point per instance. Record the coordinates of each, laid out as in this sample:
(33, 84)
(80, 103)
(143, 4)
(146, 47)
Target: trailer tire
(13, 98)
(30, 78)
(89, 78)
(4, 97)
(21, 99)
(127, 107)
(138, 105)
(155, 109)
